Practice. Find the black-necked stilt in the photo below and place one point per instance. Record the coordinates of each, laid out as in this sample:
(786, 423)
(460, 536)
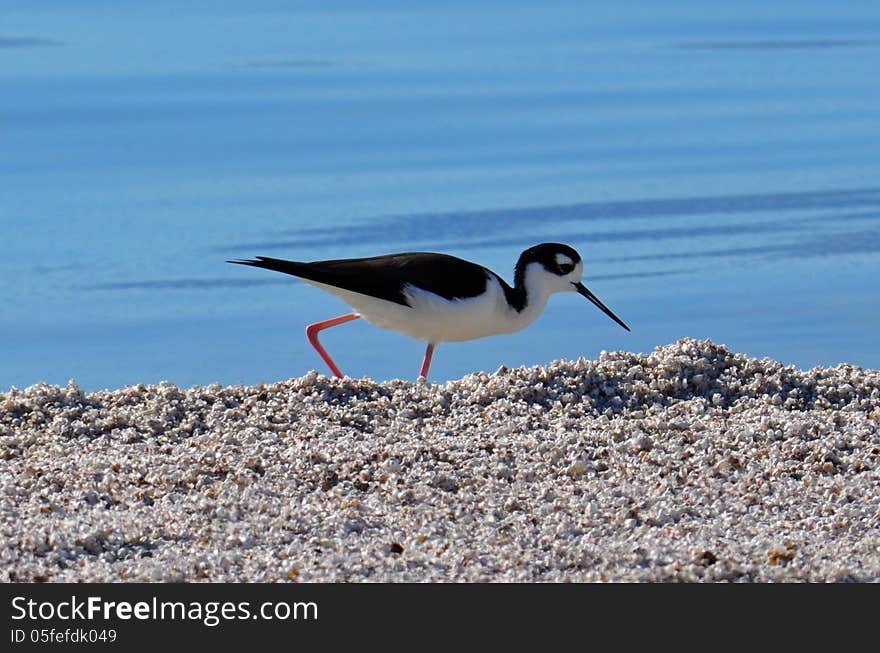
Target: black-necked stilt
(439, 298)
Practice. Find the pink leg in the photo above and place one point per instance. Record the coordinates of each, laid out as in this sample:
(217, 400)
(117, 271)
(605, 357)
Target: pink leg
(312, 334)
(429, 352)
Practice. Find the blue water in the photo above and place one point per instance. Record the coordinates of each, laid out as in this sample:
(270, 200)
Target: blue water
(716, 166)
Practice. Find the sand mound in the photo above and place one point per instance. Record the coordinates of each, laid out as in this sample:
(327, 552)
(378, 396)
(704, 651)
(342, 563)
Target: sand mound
(691, 463)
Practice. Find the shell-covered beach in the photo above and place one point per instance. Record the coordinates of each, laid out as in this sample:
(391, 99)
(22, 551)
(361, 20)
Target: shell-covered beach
(691, 463)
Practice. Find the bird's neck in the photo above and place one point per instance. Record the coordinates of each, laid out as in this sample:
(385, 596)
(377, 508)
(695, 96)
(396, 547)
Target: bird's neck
(527, 296)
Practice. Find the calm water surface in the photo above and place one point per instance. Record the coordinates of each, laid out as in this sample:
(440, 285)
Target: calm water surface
(717, 167)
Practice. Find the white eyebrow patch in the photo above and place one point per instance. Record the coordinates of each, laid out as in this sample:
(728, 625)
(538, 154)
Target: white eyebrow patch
(562, 259)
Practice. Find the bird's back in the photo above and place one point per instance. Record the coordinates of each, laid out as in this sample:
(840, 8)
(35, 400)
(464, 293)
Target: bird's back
(387, 277)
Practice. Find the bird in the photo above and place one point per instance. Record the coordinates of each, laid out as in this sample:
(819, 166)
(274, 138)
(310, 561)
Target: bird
(438, 298)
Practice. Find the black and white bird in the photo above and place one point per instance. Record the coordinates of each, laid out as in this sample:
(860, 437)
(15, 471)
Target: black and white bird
(439, 298)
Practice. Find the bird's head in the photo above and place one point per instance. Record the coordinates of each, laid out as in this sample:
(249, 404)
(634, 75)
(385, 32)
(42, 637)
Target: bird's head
(553, 267)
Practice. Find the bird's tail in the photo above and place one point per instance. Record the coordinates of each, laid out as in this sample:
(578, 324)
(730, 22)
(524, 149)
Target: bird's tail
(279, 265)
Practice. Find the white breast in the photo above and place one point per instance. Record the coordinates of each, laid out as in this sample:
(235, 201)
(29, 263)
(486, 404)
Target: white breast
(431, 318)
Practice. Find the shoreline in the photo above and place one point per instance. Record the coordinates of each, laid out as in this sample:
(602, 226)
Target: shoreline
(690, 463)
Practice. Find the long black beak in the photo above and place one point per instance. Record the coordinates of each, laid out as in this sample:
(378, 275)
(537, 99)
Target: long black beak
(583, 290)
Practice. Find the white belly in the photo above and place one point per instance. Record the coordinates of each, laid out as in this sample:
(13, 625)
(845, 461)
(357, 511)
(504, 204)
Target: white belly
(431, 318)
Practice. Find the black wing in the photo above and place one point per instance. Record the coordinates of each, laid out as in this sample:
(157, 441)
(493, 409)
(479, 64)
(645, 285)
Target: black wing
(386, 276)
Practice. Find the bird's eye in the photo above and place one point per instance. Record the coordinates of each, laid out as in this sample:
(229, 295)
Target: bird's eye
(565, 268)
